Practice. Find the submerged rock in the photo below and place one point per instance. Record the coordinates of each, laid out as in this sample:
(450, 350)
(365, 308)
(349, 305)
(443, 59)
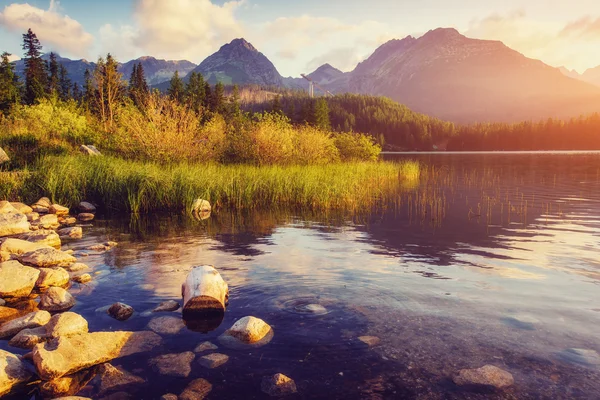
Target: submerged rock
(86, 207)
(213, 360)
(111, 378)
(370, 341)
(278, 385)
(67, 385)
(120, 311)
(28, 338)
(581, 356)
(77, 267)
(84, 278)
(58, 209)
(52, 277)
(487, 375)
(13, 372)
(204, 346)
(31, 320)
(169, 305)
(179, 365)
(48, 257)
(169, 396)
(17, 280)
(66, 324)
(43, 236)
(74, 232)
(197, 389)
(13, 223)
(56, 299)
(166, 325)
(85, 217)
(249, 330)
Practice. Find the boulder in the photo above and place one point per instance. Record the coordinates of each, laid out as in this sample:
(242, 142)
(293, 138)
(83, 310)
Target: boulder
(77, 267)
(28, 338)
(13, 372)
(166, 325)
(120, 311)
(110, 378)
(43, 236)
(39, 209)
(89, 150)
(169, 305)
(85, 216)
(7, 207)
(56, 276)
(66, 385)
(83, 278)
(86, 207)
(201, 205)
(179, 365)
(8, 313)
(56, 299)
(13, 224)
(48, 221)
(488, 375)
(197, 389)
(28, 321)
(58, 209)
(17, 280)
(213, 360)
(66, 324)
(4, 158)
(74, 232)
(32, 216)
(21, 207)
(47, 257)
(43, 202)
(249, 330)
(278, 385)
(204, 346)
(19, 246)
(66, 355)
(72, 398)
(68, 221)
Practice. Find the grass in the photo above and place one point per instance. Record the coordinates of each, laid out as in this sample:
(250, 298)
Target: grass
(141, 187)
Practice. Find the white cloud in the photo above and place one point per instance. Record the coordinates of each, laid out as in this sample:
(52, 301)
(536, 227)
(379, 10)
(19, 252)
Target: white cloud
(53, 29)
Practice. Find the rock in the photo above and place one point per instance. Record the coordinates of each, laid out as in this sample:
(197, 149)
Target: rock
(66, 324)
(56, 299)
(58, 209)
(169, 305)
(4, 158)
(6, 207)
(13, 224)
(19, 246)
(8, 313)
(90, 150)
(48, 221)
(66, 355)
(213, 360)
(28, 321)
(43, 236)
(84, 278)
(166, 325)
(85, 216)
(179, 365)
(249, 330)
(13, 372)
(39, 209)
(52, 277)
(278, 385)
(111, 378)
(17, 280)
(316, 309)
(86, 207)
(4, 256)
(201, 205)
(2, 302)
(47, 257)
(21, 207)
(120, 311)
(72, 398)
(43, 202)
(488, 375)
(32, 216)
(169, 396)
(66, 385)
(69, 221)
(28, 338)
(197, 389)
(581, 356)
(77, 267)
(370, 341)
(74, 232)
(205, 346)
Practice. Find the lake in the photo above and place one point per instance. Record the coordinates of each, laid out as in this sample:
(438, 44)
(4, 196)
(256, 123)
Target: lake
(493, 259)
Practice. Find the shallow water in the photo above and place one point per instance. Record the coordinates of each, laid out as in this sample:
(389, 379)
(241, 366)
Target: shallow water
(493, 259)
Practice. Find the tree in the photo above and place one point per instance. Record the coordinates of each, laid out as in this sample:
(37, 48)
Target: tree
(138, 87)
(9, 85)
(64, 84)
(234, 101)
(195, 92)
(109, 90)
(207, 96)
(176, 89)
(218, 99)
(53, 76)
(321, 114)
(35, 74)
(89, 93)
(276, 104)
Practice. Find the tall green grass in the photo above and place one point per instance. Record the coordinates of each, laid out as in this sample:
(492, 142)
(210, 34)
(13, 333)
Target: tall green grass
(140, 187)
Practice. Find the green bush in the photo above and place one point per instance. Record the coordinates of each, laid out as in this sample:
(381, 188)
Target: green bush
(357, 147)
(314, 146)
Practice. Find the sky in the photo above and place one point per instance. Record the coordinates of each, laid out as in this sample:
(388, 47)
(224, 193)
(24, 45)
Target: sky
(298, 36)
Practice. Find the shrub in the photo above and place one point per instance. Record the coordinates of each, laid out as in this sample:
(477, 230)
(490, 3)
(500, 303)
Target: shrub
(357, 147)
(272, 136)
(314, 146)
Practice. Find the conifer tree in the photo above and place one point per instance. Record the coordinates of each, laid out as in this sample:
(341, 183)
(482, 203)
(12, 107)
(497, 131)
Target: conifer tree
(9, 85)
(321, 114)
(138, 87)
(35, 74)
(195, 92)
(207, 96)
(64, 84)
(218, 99)
(176, 89)
(234, 101)
(88, 90)
(53, 76)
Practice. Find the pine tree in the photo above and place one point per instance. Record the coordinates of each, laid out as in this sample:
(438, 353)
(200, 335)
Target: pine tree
(276, 104)
(321, 114)
(64, 84)
(218, 99)
(195, 92)
(176, 89)
(234, 102)
(89, 92)
(207, 95)
(138, 87)
(76, 93)
(9, 85)
(53, 76)
(35, 74)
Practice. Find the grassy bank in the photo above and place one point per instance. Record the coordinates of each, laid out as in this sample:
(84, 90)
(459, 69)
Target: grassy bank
(134, 186)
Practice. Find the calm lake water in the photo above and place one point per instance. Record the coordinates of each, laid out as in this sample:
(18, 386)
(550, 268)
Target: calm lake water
(493, 259)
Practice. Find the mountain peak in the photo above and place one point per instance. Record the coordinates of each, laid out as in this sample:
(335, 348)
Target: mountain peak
(443, 33)
(241, 42)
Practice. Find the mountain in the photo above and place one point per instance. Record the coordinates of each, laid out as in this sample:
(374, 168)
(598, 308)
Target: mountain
(570, 73)
(592, 76)
(450, 76)
(239, 63)
(156, 70)
(325, 74)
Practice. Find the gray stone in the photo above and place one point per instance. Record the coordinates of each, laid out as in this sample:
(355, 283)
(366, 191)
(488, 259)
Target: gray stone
(58, 209)
(487, 375)
(249, 329)
(278, 385)
(166, 325)
(28, 338)
(74, 232)
(44, 202)
(197, 389)
(21, 207)
(66, 385)
(120, 311)
(77, 267)
(48, 221)
(13, 224)
(66, 324)
(43, 236)
(56, 299)
(13, 372)
(204, 346)
(86, 207)
(28, 321)
(213, 360)
(169, 305)
(48, 257)
(179, 365)
(169, 396)
(581, 356)
(19, 246)
(17, 280)
(83, 278)
(85, 216)
(111, 378)
(52, 277)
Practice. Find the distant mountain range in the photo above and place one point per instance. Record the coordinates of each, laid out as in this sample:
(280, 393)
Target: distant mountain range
(442, 73)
